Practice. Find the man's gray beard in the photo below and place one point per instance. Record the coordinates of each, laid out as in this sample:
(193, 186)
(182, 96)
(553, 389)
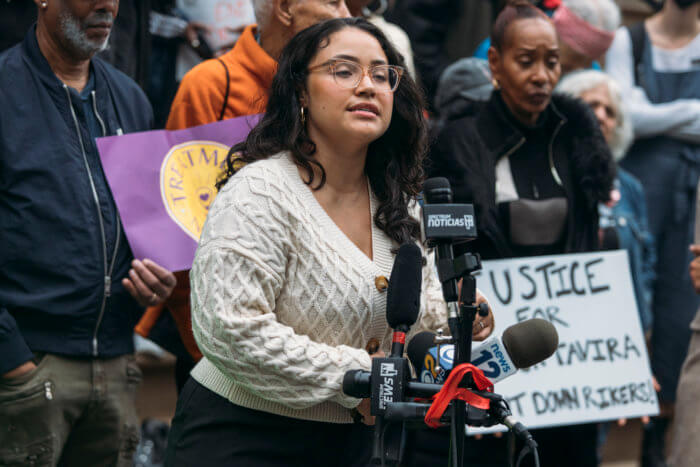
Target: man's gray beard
(77, 37)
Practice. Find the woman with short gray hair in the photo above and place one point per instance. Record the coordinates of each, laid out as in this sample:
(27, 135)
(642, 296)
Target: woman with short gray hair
(623, 220)
(621, 135)
(626, 219)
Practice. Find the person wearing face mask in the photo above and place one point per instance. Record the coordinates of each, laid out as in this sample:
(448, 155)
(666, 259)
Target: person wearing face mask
(535, 165)
(657, 63)
(289, 279)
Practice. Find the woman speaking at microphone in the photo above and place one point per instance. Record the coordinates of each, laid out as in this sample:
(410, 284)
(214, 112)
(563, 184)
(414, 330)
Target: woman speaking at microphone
(289, 280)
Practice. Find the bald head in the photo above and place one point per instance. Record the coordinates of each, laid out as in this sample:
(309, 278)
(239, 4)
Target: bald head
(279, 20)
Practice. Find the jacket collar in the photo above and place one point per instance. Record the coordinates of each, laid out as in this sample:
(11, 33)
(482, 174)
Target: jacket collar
(55, 87)
(41, 66)
(38, 62)
(497, 129)
(252, 57)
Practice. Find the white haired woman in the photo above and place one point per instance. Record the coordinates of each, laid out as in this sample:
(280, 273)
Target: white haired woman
(623, 220)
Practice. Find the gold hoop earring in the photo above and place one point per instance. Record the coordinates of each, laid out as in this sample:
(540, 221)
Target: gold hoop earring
(303, 117)
(495, 84)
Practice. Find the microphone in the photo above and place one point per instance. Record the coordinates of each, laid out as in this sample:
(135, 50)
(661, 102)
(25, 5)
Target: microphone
(387, 383)
(521, 346)
(403, 295)
(444, 221)
(437, 191)
(358, 383)
(423, 354)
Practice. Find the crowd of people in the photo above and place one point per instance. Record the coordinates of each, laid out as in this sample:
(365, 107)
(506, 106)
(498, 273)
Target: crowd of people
(567, 132)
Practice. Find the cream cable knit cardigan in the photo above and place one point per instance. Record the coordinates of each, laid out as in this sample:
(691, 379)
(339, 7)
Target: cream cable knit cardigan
(283, 303)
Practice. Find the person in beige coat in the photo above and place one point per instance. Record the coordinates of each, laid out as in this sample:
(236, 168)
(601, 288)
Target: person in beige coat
(685, 449)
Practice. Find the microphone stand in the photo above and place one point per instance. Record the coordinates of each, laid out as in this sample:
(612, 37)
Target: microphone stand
(461, 316)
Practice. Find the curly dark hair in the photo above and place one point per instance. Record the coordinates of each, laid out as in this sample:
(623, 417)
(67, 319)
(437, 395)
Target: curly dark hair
(394, 164)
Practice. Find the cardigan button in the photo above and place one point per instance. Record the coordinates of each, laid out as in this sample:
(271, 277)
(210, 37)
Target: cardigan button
(381, 283)
(372, 346)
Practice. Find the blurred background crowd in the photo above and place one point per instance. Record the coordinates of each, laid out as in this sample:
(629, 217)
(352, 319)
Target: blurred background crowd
(197, 59)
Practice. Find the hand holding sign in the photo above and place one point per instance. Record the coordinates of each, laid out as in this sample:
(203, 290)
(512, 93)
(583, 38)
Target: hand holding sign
(163, 183)
(645, 419)
(149, 283)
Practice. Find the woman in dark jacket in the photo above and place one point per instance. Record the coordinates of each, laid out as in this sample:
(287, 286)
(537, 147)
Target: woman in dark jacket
(535, 166)
(525, 148)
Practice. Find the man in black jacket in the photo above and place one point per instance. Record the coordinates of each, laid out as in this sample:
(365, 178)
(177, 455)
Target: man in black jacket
(70, 290)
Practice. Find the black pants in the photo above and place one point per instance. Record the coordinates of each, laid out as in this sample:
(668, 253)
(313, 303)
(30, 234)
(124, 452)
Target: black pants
(571, 446)
(209, 430)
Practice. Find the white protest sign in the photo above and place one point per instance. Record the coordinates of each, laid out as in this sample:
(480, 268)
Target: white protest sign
(600, 370)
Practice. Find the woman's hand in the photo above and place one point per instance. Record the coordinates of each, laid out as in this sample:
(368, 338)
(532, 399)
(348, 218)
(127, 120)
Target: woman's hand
(149, 283)
(645, 418)
(483, 326)
(365, 404)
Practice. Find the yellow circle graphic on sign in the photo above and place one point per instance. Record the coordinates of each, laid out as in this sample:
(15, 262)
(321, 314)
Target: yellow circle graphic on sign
(187, 182)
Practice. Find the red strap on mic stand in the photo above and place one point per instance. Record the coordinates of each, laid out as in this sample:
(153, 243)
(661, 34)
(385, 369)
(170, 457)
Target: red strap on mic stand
(451, 391)
(551, 4)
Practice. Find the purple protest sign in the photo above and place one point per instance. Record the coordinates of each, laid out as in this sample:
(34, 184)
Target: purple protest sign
(163, 184)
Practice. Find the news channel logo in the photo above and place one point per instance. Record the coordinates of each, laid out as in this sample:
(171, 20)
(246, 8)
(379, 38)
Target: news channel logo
(434, 370)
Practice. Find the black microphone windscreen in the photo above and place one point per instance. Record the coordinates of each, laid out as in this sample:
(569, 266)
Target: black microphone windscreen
(418, 348)
(403, 296)
(437, 190)
(530, 342)
(356, 383)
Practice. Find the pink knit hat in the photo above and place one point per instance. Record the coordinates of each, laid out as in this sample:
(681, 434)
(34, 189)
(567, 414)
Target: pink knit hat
(581, 36)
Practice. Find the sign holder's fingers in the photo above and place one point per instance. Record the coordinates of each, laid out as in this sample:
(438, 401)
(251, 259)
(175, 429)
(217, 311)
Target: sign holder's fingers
(131, 288)
(165, 276)
(150, 280)
(141, 288)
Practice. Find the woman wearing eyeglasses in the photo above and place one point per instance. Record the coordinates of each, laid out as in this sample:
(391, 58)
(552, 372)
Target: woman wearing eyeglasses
(289, 280)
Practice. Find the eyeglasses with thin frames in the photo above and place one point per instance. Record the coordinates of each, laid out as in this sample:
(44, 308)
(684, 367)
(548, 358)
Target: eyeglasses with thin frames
(348, 74)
